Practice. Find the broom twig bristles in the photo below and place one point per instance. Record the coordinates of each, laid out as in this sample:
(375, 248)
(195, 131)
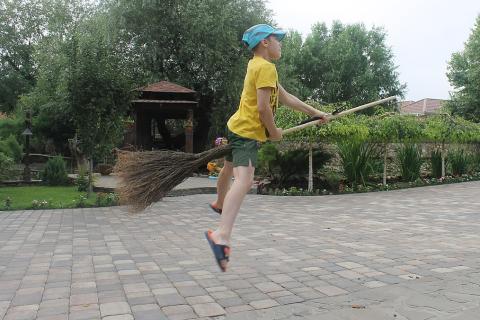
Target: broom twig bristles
(146, 177)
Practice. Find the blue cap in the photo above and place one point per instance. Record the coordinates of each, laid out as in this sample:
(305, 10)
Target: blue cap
(258, 32)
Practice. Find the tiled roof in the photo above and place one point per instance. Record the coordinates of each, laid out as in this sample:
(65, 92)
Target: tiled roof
(165, 86)
(404, 103)
(423, 106)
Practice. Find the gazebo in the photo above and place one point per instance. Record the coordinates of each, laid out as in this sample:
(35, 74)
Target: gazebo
(157, 103)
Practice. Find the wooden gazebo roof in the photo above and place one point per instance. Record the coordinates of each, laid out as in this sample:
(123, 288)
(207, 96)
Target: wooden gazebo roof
(170, 99)
(165, 86)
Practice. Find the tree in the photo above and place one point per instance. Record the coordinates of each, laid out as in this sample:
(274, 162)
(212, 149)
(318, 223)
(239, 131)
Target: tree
(48, 97)
(97, 86)
(348, 63)
(464, 75)
(21, 27)
(288, 73)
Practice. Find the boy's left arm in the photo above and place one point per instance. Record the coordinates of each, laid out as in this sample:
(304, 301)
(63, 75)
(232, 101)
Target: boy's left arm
(296, 104)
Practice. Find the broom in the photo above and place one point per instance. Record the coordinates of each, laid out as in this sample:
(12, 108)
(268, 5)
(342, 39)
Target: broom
(147, 176)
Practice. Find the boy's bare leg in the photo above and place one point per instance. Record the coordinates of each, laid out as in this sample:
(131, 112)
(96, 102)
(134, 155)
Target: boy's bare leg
(233, 200)
(223, 183)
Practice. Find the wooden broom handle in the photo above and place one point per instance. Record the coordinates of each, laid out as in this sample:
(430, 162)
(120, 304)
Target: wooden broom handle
(340, 114)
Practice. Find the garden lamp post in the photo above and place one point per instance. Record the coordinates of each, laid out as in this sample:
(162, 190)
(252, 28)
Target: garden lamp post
(27, 176)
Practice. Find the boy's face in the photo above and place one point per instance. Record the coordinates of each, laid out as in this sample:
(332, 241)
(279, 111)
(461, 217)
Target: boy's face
(274, 47)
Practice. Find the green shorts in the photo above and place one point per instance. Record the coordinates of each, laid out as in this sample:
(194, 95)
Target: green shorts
(244, 150)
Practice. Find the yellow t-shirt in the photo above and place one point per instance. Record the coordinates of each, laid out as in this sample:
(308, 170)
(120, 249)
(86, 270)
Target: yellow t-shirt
(246, 121)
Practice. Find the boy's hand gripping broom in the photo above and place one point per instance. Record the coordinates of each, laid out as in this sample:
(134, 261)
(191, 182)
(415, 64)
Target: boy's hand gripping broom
(147, 176)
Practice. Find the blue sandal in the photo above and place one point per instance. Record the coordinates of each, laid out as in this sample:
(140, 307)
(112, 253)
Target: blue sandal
(217, 210)
(220, 251)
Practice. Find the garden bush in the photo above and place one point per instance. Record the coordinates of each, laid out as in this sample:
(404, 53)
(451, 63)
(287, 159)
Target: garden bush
(475, 162)
(436, 163)
(55, 172)
(459, 162)
(289, 165)
(334, 179)
(410, 161)
(6, 166)
(11, 148)
(356, 158)
(107, 199)
(11, 126)
(82, 181)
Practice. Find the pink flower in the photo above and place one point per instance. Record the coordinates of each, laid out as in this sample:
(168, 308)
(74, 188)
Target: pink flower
(220, 141)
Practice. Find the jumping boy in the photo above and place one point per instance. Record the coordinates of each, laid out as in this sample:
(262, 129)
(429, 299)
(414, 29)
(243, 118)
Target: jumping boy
(252, 124)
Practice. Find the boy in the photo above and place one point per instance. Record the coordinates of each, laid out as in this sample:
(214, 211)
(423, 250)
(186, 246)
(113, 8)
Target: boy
(252, 123)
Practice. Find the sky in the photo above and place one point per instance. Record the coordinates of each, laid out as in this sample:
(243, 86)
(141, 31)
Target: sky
(423, 34)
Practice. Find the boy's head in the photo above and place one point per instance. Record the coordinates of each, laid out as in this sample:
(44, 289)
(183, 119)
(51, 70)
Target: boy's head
(262, 35)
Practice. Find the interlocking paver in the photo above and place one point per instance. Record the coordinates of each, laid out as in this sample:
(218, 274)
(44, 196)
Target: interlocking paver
(28, 296)
(26, 312)
(3, 308)
(53, 307)
(413, 253)
(114, 308)
(263, 304)
(179, 312)
(211, 309)
(83, 299)
(119, 317)
(148, 312)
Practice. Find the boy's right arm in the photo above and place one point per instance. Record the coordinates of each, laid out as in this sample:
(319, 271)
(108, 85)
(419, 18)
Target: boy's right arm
(266, 115)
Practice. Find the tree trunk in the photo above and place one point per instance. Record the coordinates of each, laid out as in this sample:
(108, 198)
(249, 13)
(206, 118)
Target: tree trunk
(443, 160)
(385, 165)
(90, 177)
(310, 169)
(78, 155)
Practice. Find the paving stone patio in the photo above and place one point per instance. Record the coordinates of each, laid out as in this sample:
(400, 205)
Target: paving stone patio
(408, 254)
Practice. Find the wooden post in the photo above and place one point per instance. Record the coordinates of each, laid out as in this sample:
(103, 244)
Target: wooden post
(310, 169)
(443, 160)
(385, 165)
(189, 132)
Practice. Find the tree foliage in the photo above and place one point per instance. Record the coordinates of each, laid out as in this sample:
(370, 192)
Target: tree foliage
(20, 29)
(348, 63)
(464, 75)
(97, 87)
(381, 128)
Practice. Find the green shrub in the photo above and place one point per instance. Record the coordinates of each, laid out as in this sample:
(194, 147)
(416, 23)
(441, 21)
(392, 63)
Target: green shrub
(458, 161)
(82, 181)
(410, 161)
(475, 162)
(283, 166)
(11, 126)
(39, 204)
(6, 167)
(11, 148)
(333, 179)
(436, 163)
(267, 155)
(81, 201)
(7, 203)
(356, 157)
(107, 199)
(55, 172)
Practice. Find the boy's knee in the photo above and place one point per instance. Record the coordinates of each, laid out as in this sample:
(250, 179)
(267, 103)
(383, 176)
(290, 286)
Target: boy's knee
(248, 184)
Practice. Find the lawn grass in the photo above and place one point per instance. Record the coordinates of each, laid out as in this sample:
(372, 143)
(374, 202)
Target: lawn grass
(57, 197)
